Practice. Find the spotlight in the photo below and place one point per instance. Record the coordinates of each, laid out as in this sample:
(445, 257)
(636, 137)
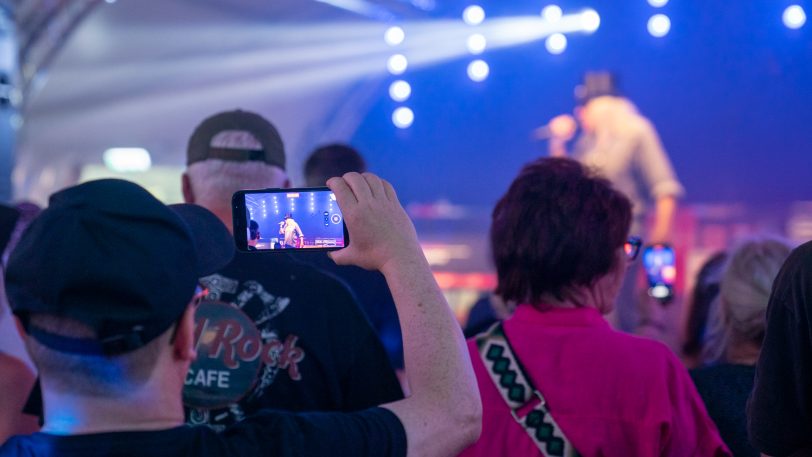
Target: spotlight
(657, 3)
(659, 25)
(590, 20)
(478, 70)
(794, 17)
(551, 13)
(556, 43)
(403, 117)
(400, 91)
(473, 15)
(397, 64)
(394, 36)
(476, 43)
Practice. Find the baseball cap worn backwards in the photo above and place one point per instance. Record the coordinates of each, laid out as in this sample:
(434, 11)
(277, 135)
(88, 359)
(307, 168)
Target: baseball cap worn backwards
(265, 145)
(110, 255)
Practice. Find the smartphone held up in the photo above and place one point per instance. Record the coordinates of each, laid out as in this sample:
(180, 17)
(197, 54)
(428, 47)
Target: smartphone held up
(276, 220)
(659, 261)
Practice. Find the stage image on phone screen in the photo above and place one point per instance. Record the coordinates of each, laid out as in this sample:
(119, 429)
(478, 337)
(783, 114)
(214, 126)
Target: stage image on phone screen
(293, 220)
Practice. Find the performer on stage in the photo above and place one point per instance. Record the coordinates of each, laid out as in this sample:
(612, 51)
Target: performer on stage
(624, 146)
(291, 233)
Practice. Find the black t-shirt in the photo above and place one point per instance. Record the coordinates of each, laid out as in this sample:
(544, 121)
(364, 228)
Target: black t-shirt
(373, 294)
(481, 317)
(780, 407)
(277, 334)
(724, 388)
(374, 432)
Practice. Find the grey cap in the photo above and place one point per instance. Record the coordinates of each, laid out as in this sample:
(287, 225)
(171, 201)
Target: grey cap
(270, 148)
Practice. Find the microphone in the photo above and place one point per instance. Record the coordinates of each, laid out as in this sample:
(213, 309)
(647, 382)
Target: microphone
(560, 127)
(541, 133)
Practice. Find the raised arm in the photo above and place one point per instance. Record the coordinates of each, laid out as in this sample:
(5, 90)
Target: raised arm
(665, 208)
(443, 414)
(661, 181)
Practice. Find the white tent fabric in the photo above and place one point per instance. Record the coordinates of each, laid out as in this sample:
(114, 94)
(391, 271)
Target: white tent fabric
(143, 73)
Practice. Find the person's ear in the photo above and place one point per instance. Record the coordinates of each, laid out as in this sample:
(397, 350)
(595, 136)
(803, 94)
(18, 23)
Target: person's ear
(186, 187)
(184, 344)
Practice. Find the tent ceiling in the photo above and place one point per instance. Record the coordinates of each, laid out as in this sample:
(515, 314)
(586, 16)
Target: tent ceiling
(144, 73)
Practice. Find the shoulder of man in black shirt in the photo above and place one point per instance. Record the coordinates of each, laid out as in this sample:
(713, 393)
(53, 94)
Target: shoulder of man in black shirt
(724, 389)
(780, 406)
(373, 295)
(373, 432)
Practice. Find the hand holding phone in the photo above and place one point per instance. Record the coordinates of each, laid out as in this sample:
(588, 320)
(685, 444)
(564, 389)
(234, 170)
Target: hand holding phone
(381, 230)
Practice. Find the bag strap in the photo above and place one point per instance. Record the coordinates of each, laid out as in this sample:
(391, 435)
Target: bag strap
(514, 385)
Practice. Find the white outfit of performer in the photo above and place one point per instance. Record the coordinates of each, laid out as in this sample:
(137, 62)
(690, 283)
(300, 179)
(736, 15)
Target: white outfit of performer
(624, 147)
(292, 233)
(633, 159)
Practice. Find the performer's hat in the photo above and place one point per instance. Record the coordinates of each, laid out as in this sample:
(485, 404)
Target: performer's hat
(596, 84)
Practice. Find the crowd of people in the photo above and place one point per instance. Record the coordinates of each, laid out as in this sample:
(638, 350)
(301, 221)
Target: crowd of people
(132, 328)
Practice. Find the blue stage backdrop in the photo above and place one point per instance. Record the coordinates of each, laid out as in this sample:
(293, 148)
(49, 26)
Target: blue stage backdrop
(729, 89)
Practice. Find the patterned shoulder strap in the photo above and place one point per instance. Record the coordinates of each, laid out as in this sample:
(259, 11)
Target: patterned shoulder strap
(527, 405)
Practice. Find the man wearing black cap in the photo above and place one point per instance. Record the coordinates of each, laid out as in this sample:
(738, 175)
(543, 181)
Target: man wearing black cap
(113, 332)
(317, 349)
(623, 146)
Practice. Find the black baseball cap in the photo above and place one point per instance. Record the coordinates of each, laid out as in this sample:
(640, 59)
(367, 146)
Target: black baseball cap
(110, 255)
(596, 84)
(201, 146)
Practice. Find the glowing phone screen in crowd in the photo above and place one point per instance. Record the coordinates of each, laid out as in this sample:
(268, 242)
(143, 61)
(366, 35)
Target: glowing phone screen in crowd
(288, 219)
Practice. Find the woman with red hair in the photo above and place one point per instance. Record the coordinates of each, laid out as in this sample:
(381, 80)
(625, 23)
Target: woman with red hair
(555, 378)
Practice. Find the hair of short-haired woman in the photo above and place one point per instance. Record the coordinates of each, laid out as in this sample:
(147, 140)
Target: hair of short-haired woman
(557, 228)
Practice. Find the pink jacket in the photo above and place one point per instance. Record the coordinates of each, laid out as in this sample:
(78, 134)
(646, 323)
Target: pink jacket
(613, 394)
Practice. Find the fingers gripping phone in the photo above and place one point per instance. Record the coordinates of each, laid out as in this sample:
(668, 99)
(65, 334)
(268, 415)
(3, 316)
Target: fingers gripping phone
(288, 220)
(659, 261)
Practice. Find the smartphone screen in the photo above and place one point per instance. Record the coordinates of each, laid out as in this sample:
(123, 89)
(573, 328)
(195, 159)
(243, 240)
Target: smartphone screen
(288, 220)
(660, 264)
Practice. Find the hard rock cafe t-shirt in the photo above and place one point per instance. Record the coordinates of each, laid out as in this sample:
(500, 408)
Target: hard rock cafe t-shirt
(275, 333)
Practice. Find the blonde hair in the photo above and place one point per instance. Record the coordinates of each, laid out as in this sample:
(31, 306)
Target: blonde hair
(214, 181)
(744, 293)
